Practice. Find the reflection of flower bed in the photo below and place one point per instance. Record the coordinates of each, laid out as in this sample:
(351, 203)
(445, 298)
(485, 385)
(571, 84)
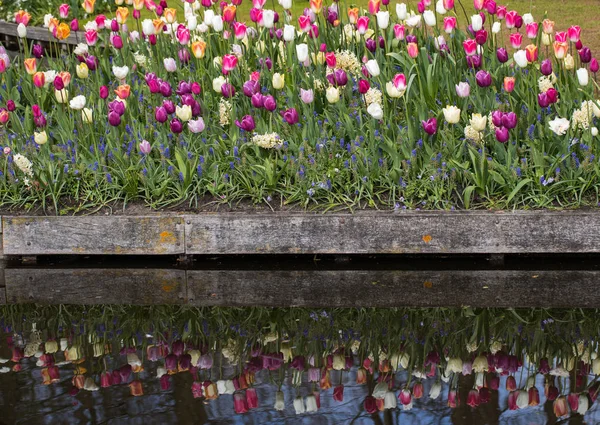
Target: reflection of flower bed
(401, 108)
(396, 353)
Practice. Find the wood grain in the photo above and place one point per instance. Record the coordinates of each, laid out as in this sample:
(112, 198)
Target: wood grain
(40, 34)
(103, 235)
(394, 233)
(95, 286)
(368, 288)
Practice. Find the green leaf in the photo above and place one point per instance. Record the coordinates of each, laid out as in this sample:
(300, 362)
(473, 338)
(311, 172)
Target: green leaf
(517, 188)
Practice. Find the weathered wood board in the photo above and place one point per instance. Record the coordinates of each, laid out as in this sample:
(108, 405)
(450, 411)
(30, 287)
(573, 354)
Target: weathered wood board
(40, 33)
(2, 295)
(393, 233)
(102, 235)
(95, 286)
(368, 288)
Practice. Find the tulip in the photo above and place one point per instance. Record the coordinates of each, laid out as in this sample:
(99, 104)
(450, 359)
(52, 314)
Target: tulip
(515, 40)
(62, 96)
(87, 115)
(40, 138)
(10, 105)
(560, 406)
(332, 94)
(184, 113)
(560, 49)
(463, 89)
(39, 79)
(307, 96)
(583, 404)
(520, 57)
(574, 33)
(483, 78)
(375, 110)
(176, 126)
(476, 22)
(531, 53)
(279, 401)
(481, 37)
(546, 67)
(269, 103)
(451, 114)
(583, 76)
(278, 81)
(430, 127)
(246, 124)
(569, 62)
(594, 66)
(502, 134)
(585, 54)
(496, 27)
(449, 24)
(31, 66)
(502, 55)
(362, 24)
(77, 103)
(429, 18)
(412, 49)
(470, 47)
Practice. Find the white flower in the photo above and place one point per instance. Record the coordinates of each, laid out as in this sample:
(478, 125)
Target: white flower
(86, 115)
(401, 11)
(584, 404)
(414, 21)
(23, 164)
(217, 23)
(546, 40)
(289, 32)
(299, 405)
(383, 19)
(594, 131)
(268, 18)
(40, 138)
(192, 22)
(209, 14)
(476, 22)
(184, 113)
(451, 114)
(90, 385)
(47, 18)
(528, 18)
(496, 27)
(595, 108)
(455, 365)
(286, 4)
(170, 64)
(278, 81)
(559, 371)
(435, 390)
(559, 126)
(120, 71)
(218, 82)
(392, 91)
(302, 51)
(375, 111)
(478, 122)
(439, 7)
(373, 67)
(91, 25)
(429, 18)
(62, 96)
(78, 102)
(279, 400)
(332, 94)
(480, 364)
(81, 49)
(583, 76)
(520, 57)
(21, 30)
(311, 403)
(161, 371)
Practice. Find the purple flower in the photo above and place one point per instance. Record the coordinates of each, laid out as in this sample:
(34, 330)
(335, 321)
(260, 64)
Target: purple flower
(169, 106)
(176, 126)
(91, 62)
(497, 118)
(165, 89)
(258, 100)
(585, 54)
(371, 45)
(483, 78)
(117, 106)
(184, 55)
(473, 61)
(340, 77)
(187, 99)
(269, 103)
(502, 134)
(543, 100)
(290, 116)
(227, 90)
(114, 118)
(509, 120)
(183, 88)
(160, 114)
(430, 126)
(250, 88)
(58, 83)
(502, 55)
(154, 86)
(411, 38)
(546, 67)
(247, 123)
(144, 147)
(38, 51)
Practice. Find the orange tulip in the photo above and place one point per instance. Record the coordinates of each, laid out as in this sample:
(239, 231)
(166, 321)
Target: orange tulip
(78, 381)
(158, 25)
(62, 31)
(531, 52)
(560, 49)
(22, 17)
(53, 26)
(325, 380)
(316, 6)
(31, 66)
(353, 14)
(122, 14)
(123, 91)
(170, 15)
(198, 49)
(229, 13)
(138, 4)
(66, 77)
(88, 6)
(39, 79)
(136, 388)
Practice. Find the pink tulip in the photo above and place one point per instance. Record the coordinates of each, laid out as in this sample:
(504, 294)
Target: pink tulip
(470, 47)
(304, 23)
(183, 35)
(574, 33)
(449, 24)
(532, 30)
(511, 19)
(63, 11)
(399, 32)
(239, 30)
(91, 37)
(412, 49)
(399, 81)
(229, 63)
(362, 24)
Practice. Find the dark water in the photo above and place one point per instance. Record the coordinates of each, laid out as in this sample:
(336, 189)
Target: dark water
(25, 399)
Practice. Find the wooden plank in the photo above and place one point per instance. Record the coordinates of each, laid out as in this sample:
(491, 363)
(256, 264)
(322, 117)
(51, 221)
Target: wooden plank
(395, 288)
(41, 34)
(95, 286)
(104, 235)
(394, 233)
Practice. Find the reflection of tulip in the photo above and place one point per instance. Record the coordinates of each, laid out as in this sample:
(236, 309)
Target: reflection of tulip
(484, 395)
(251, 398)
(361, 376)
(211, 392)
(78, 381)
(239, 403)
(512, 400)
(473, 399)
(106, 379)
(165, 382)
(338, 393)
(405, 397)
(325, 382)
(573, 400)
(560, 406)
(136, 389)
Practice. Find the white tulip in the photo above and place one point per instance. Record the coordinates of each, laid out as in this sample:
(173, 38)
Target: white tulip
(373, 67)
(401, 11)
(451, 114)
(61, 95)
(520, 58)
(546, 40)
(192, 22)
(286, 4)
(217, 23)
(380, 390)
(496, 27)
(268, 18)
(289, 32)
(594, 131)
(21, 30)
(279, 400)
(522, 400)
(217, 83)
(375, 111)
(383, 19)
(184, 113)
(439, 7)
(584, 404)
(298, 405)
(90, 385)
(302, 51)
(392, 91)
(476, 22)
(455, 365)
(161, 371)
(332, 94)
(559, 126)
(77, 103)
(120, 71)
(583, 76)
(527, 18)
(414, 21)
(209, 14)
(429, 18)
(40, 138)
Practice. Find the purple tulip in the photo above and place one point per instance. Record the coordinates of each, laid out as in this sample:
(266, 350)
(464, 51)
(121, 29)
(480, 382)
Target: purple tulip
(594, 65)
(176, 126)
(91, 62)
(165, 89)
(543, 100)
(411, 38)
(183, 88)
(430, 126)
(341, 78)
(114, 25)
(502, 134)
(58, 83)
(483, 78)
(371, 45)
(546, 67)
(279, 33)
(481, 37)
(269, 103)
(184, 55)
(250, 88)
(258, 100)
(154, 86)
(227, 90)
(502, 55)
(117, 106)
(169, 106)
(474, 61)
(114, 118)
(103, 92)
(196, 109)
(266, 62)
(161, 114)
(247, 123)
(497, 118)
(290, 116)
(585, 54)
(188, 99)
(38, 51)
(509, 120)
(10, 105)
(332, 16)
(39, 121)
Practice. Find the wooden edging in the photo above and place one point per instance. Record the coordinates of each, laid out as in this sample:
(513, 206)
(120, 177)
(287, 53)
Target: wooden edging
(297, 233)
(347, 288)
(40, 34)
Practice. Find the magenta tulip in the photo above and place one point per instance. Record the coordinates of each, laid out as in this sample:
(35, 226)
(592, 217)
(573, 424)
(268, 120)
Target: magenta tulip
(483, 78)
(290, 116)
(430, 126)
(176, 126)
(247, 123)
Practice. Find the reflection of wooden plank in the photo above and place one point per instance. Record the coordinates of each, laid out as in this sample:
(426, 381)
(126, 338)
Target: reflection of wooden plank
(40, 33)
(2, 295)
(393, 233)
(93, 235)
(361, 288)
(95, 286)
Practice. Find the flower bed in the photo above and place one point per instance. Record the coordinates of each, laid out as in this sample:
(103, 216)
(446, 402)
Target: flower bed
(383, 106)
